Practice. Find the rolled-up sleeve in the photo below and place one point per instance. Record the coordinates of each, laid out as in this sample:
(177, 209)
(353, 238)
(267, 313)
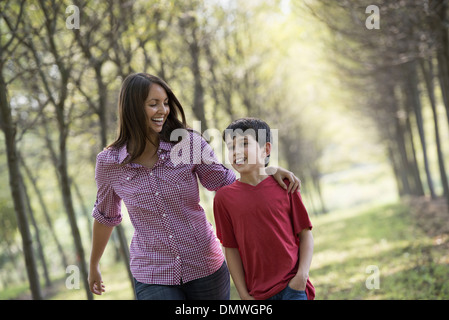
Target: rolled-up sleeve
(212, 174)
(107, 207)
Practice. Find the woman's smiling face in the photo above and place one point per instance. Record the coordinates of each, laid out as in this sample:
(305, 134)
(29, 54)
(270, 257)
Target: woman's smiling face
(156, 107)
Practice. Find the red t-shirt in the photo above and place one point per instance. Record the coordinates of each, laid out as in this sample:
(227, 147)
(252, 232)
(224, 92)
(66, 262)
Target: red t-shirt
(263, 222)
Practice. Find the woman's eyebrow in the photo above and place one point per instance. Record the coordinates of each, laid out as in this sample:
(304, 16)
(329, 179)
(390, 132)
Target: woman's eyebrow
(156, 99)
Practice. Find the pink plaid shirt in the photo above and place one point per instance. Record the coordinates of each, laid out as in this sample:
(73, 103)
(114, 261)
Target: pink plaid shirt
(172, 241)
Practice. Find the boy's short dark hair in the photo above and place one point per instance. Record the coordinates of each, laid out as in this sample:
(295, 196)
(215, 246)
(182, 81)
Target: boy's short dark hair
(259, 129)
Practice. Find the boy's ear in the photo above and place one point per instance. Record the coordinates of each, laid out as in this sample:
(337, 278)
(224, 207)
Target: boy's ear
(268, 148)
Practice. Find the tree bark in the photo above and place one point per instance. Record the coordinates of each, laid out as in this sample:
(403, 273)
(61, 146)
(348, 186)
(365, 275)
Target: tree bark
(188, 25)
(44, 209)
(9, 130)
(40, 248)
(438, 23)
(428, 76)
(413, 100)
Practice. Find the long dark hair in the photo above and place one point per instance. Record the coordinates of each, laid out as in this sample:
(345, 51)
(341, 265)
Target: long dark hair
(132, 120)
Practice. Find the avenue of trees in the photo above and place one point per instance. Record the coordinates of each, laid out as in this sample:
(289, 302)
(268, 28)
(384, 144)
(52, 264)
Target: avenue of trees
(61, 66)
(62, 63)
(395, 60)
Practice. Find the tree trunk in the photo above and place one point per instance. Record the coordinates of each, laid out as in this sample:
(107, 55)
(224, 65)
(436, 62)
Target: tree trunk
(428, 75)
(198, 89)
(188, 25)
(415, 177)
(9, 130)
(44, 209)
(40, 248)
(394, 166)
(413, 100)
(438, 22)
(68, 205)
(404, 169)
(317, 184)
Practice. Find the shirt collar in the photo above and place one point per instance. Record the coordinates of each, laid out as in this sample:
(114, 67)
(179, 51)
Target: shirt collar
(123, 152)
(165, 145)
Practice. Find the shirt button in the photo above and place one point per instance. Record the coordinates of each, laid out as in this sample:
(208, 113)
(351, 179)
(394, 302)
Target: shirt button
(127, 178)
(151, 173)
(178, 257)
(164, 215)
(170, 236)
(157, 193)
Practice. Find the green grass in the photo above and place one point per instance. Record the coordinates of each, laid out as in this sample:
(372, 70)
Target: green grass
(411, 265)
(347, 242)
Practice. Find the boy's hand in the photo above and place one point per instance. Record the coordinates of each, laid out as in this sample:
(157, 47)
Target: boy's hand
(298, 282)
(247, 297)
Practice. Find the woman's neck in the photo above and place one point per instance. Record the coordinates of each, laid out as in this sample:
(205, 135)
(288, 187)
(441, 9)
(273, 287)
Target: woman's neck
(149, 157)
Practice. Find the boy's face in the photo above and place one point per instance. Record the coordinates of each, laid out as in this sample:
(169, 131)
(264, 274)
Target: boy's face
(245, 153)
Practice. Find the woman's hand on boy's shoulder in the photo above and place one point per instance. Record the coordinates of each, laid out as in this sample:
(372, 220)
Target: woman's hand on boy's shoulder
(279, 174)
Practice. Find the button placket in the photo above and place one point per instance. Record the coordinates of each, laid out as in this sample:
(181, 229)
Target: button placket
(157, 189)
(170, 235)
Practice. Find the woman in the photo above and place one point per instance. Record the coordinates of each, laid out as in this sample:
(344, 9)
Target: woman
(174, 253)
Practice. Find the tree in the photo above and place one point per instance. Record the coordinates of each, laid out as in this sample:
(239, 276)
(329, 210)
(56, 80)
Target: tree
(45, 39)
(11, 19)
(188, 25)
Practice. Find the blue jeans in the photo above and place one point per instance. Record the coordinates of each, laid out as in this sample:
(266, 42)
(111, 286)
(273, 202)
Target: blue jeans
(213, 287)
(290, 294)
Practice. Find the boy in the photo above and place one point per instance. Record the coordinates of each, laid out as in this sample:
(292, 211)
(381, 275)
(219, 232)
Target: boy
(265, 231)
